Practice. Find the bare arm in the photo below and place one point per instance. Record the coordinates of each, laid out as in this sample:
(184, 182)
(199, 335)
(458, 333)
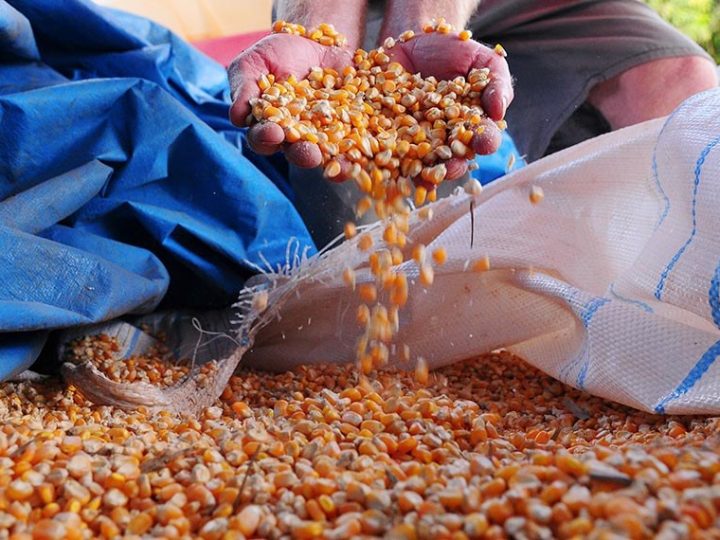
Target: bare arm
(348, 16)
(401, 15)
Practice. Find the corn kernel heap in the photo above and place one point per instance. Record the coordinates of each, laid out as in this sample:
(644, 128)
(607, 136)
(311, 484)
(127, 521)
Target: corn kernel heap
(491, 448)
(389, 130)
(154, 367)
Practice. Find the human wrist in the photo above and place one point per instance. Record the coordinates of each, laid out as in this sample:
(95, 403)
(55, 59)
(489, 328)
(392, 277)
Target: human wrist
(402, 15)
(347, 17)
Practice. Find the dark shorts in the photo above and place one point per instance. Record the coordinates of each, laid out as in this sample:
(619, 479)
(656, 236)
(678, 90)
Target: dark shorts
(557, 51)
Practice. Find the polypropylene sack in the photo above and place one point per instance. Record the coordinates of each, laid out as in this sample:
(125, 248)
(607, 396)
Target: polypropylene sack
(609, 284)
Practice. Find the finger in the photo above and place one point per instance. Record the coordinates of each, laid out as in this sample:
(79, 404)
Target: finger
(304, 154)
(496, 97)
(487, 138)
(243, 75)
(456, 167)
(266, 138)
(498, 94)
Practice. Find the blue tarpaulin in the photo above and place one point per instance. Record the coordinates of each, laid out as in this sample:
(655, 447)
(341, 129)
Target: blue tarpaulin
(123, 186)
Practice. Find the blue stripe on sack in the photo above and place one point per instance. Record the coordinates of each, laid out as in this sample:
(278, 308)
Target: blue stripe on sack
(698, 169)
(587, 312)
(591, 308)
(564, 372)
(642, 305)
(696, 373)
(666, 210)
(656, 177)
(707, 359)
(714, 296)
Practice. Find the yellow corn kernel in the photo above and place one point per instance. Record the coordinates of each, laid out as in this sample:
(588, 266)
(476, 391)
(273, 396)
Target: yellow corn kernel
(439, 255)
(365, 242)
(427, 275)
(536, 194)
(499, 49)
(349, 277)
(367, 292)
(481, 265)
(422, 372)
(332, 169)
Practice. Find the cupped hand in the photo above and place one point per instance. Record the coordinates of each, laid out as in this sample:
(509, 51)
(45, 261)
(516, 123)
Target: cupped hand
(281, 55)
(445, 56)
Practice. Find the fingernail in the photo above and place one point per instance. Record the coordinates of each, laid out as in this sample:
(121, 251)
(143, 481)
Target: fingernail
(504, 105)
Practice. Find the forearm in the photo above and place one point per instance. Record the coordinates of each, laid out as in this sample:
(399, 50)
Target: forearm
(401, 15)
(347, 16)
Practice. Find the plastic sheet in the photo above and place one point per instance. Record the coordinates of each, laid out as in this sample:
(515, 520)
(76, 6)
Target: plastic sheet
(123, 186)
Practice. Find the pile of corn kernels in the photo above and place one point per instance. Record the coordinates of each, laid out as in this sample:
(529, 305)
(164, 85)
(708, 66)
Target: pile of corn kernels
(489, 448)
(154, 367)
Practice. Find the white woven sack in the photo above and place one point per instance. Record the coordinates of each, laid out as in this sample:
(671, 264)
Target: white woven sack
(610, 284)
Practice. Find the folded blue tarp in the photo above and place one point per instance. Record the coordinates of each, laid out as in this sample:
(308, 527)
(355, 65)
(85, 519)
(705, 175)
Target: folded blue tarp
(123, 186)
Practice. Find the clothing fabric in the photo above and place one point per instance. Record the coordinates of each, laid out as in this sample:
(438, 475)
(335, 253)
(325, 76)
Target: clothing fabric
(558, 50)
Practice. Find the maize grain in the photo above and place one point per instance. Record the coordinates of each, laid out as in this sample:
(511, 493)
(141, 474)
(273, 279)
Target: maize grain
(536, 194)
(514, 483)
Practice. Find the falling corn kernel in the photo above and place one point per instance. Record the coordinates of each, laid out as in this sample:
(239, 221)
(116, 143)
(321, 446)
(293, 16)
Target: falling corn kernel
(427, 275)
(363, 205)
(439, 255)
(426, 214)
(481, 265)
(473, 187)
(349, 277)
(365, 242)
(510, 163)
(350, 230)
(367, 292)
(363, 314)
(422, 373)
(536, 194)
(399, 294)
(418, 253)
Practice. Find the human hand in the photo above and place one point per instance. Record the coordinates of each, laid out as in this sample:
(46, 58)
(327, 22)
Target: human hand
(445, 56)
(282, 55)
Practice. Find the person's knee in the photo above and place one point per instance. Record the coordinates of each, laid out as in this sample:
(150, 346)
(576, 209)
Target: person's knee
(653, 89)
